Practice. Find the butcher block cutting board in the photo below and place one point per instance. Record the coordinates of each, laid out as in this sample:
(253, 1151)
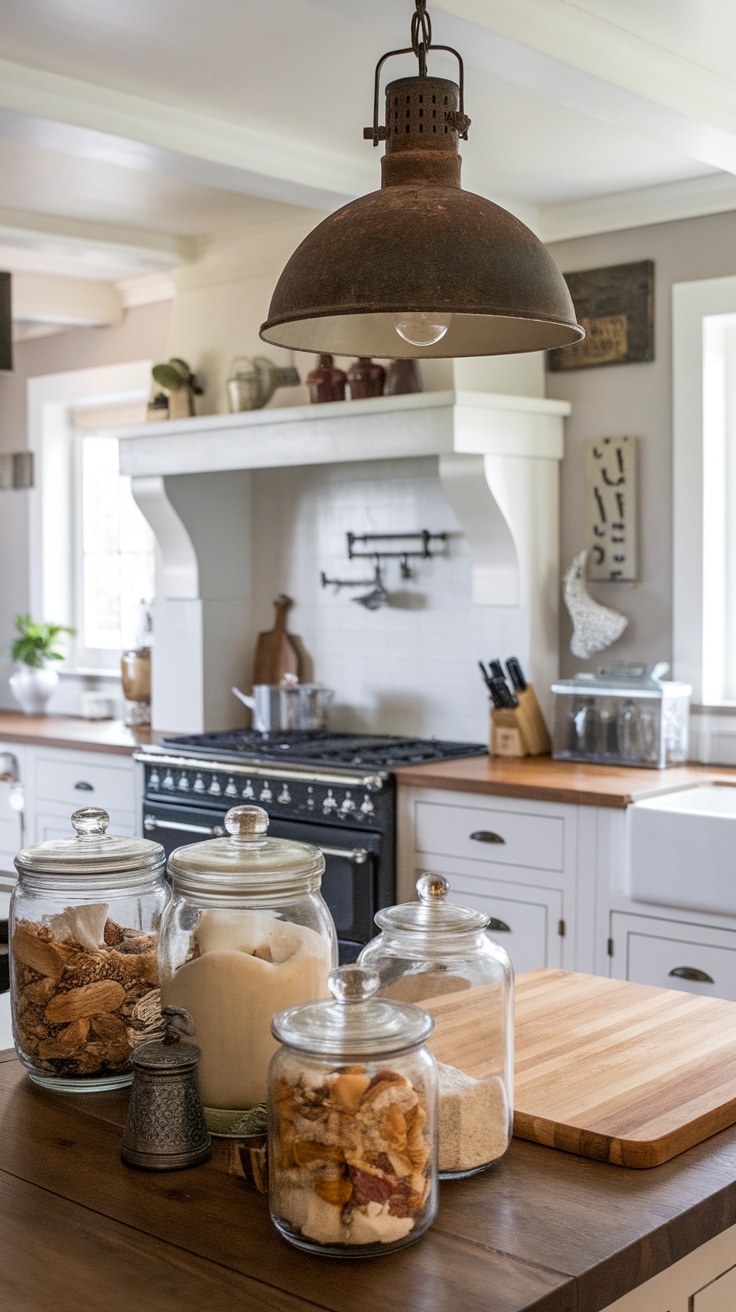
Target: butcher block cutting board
(621, 1072)
(276, 654)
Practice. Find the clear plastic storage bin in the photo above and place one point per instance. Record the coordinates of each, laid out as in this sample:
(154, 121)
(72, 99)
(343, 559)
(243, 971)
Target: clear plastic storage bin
(625, 715)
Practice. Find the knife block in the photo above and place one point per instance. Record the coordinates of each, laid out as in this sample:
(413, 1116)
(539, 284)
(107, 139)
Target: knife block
(520, 731)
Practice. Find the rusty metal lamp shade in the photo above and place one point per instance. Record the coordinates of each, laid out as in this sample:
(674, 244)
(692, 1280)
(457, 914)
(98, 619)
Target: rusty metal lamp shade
(421, 268)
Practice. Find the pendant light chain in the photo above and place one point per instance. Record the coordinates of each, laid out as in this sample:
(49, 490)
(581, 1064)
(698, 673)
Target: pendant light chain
(421, 24)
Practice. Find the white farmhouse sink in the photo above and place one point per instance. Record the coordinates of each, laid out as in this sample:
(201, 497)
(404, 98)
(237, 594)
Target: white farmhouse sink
(682, 849)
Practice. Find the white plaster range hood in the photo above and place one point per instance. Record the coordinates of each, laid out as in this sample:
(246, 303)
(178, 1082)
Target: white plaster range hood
(498, 460)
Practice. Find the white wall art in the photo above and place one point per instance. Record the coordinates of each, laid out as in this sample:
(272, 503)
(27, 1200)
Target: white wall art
(611, 509)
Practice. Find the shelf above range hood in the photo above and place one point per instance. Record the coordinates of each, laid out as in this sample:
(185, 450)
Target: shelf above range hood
(385, 428)
(498, 461)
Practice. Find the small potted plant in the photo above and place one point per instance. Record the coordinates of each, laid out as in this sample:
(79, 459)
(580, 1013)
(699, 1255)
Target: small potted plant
(35, 647)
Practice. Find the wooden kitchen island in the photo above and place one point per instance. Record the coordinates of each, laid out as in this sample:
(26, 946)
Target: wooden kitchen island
(542, 1232)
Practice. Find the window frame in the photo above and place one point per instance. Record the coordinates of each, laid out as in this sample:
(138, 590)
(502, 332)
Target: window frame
(54, 525)
(699, 639)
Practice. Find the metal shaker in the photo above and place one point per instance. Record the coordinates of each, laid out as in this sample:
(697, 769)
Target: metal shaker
(165, 1129)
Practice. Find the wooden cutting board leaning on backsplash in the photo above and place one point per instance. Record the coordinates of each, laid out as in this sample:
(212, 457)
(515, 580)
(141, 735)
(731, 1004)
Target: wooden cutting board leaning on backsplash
(276, 653)
(619, 1072)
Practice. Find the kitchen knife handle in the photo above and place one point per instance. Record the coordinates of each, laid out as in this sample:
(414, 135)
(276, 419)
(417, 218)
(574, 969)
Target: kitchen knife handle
(486, 836)
(515, 674)
(498, 926)
(689, 972)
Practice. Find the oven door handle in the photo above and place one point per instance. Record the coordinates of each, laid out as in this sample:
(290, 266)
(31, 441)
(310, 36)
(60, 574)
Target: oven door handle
(151, 822)
(357, 856)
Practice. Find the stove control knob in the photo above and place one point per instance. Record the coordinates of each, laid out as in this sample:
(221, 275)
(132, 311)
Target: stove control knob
(248, 790)
(198, 784)
(231, 789)
(367, 806)
(154, 779)
(168, 780)
(284, 796)
(214, 787)
(265, 794)
(183, 784)
(330, 803)
(310, 798)
(348, 806)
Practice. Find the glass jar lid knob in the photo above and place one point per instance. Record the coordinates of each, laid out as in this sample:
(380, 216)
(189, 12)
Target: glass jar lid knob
(90, 822)
(353, 983)
(244, 823)
(432, 889)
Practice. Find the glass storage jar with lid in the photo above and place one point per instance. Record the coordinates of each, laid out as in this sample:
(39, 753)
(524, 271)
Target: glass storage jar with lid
(440, 956)
(247, 934)
(352, 1121)
(84, 919)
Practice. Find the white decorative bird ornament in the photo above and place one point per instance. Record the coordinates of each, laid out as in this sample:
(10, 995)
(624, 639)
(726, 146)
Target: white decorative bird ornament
(595, 627)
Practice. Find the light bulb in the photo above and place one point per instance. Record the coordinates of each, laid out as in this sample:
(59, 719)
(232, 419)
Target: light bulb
(16, 798)
(421, 328)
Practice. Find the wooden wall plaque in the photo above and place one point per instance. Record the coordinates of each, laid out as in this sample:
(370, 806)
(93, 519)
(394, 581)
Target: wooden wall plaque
(616, 308)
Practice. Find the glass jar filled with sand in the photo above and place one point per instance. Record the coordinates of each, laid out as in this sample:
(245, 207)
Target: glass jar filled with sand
(440, 956)
(247, 935)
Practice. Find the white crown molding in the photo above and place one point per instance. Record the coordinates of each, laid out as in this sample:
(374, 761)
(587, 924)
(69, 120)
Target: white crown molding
(714, 193)
(146, 289)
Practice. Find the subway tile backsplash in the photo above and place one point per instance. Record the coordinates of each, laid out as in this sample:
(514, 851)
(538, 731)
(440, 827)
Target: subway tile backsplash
(410, 667)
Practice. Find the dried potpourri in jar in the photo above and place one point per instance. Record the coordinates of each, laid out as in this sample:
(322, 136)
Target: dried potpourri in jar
(84, 972)
(352, 1166)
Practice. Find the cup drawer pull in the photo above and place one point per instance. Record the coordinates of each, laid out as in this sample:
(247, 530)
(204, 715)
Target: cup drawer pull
(83, 787)
(689, 972)
(486, 836)
(498, 926)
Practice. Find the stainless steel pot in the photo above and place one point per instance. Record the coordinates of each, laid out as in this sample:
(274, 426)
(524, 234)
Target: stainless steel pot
(287, 706)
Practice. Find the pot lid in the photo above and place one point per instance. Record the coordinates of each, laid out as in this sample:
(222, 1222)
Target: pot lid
(247, 861)
(355, 1023)
(92, 851)
(432, 914)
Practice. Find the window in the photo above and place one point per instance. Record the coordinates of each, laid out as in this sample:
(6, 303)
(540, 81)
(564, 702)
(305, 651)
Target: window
(115, 566)
(91, 550)
(704, 393)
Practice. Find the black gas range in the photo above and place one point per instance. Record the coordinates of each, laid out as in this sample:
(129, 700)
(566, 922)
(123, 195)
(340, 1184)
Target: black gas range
(335, 790)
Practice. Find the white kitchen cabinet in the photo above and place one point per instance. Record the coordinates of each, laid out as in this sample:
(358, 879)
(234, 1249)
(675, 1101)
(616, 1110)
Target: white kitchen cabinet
(704, 1281)
(11, 822)
(516, 860)
(674, 954)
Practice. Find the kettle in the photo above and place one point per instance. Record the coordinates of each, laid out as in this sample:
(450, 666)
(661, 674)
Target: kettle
(288, 705)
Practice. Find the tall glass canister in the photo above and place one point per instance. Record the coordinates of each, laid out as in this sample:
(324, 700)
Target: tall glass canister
(247, 934)
(440, 956)
(84, 920)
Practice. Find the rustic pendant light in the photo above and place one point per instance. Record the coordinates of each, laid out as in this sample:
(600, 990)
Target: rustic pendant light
(421, 268)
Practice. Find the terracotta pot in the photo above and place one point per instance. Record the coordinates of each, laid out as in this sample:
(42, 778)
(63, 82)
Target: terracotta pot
(365, 378)
(326, 382)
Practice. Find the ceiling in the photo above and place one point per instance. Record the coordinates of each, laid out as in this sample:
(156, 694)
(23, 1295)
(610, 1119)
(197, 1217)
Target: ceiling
(133, 133)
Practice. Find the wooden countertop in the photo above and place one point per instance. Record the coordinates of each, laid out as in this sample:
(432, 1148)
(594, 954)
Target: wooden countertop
(543, 1230)
(72, 731)
(542, 779)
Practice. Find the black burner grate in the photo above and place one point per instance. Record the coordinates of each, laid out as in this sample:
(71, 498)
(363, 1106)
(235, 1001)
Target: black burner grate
(321, 747)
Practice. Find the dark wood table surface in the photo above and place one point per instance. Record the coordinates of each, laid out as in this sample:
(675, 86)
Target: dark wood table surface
(543, 1230)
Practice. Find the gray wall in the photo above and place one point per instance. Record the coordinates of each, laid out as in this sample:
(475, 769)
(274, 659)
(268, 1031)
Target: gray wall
(615, 399)
(142, 335)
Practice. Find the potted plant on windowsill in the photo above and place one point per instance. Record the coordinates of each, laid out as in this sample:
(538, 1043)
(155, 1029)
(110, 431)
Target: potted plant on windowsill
(33, 650)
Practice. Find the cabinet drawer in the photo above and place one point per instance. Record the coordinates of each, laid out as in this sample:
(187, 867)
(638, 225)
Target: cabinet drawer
(84, 783)
(672, 955)
(505, 837)
(524, 921)
(718, 1296)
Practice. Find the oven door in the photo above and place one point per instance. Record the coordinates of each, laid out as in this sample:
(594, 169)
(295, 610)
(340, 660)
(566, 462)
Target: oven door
(352, 861)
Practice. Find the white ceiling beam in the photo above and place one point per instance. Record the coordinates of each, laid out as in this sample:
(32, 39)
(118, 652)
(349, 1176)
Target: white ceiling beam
(71, 302)
(49, 243)
(93, 122)
(555, 50)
